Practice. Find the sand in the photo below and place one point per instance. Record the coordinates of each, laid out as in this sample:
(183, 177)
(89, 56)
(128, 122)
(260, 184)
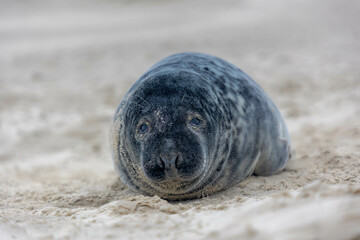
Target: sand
(65, 65)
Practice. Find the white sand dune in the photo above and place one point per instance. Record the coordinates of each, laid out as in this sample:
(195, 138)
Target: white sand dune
(65, 65)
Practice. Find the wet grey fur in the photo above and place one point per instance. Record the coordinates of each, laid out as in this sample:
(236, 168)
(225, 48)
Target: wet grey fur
(243, 132)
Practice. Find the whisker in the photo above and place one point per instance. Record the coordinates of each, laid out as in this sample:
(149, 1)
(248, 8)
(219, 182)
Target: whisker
(138, 104)
(144, 100)
(182, 99)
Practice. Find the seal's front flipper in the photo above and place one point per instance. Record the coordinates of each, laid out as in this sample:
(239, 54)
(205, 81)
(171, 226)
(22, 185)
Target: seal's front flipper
(275, 159)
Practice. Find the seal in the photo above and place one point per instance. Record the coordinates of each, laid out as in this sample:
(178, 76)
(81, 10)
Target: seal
(193, 125)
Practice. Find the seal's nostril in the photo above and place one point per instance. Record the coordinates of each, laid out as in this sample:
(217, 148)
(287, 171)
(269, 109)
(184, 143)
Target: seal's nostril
(177, 160)
(173, 160)
(161, 163)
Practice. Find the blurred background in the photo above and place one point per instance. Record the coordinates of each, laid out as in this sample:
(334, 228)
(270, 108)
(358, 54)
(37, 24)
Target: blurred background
(65, 66)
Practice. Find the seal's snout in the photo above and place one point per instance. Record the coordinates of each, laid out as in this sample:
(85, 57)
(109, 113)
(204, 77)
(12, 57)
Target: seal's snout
(169, 163)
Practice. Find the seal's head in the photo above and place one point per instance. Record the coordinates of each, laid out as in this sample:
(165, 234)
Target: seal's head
(164, 134)
(171, 144)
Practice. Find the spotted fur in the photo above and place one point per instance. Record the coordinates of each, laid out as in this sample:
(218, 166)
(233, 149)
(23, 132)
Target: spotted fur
(243, 132)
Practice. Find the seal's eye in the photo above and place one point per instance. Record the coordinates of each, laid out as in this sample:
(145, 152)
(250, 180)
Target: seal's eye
(143, 128)
(196, 122)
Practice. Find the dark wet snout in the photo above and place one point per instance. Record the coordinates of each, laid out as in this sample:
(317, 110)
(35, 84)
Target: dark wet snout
(169, 159)
(173, 162)
(169, 163)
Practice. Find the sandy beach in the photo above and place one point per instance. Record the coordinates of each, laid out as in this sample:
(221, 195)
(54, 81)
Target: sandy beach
(65, 66)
